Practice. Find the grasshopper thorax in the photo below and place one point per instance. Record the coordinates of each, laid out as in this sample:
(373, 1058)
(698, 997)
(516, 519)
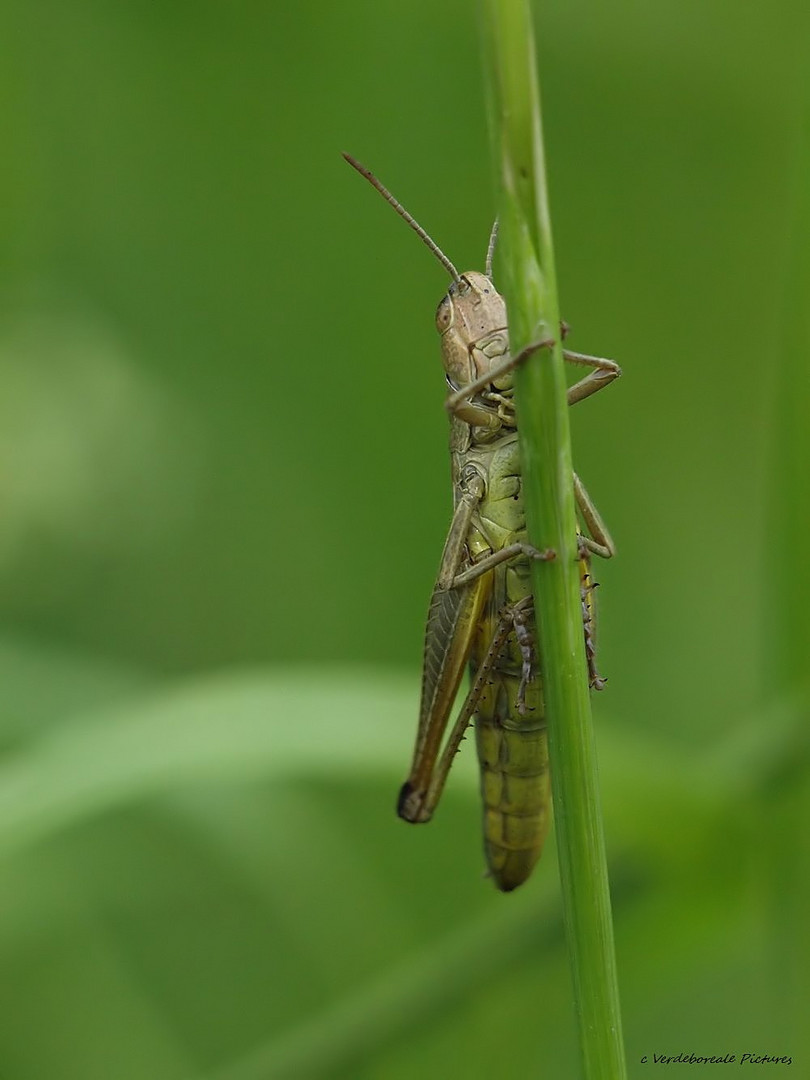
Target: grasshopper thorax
(472, 322)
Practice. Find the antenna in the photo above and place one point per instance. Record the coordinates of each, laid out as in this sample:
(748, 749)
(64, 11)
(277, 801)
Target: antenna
(493, 236)
(403, 213)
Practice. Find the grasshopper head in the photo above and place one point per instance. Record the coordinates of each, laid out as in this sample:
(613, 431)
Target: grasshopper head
(472, 322)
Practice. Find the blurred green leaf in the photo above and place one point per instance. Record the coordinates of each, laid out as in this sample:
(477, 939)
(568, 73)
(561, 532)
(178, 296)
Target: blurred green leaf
(243, 825)
(223, 727)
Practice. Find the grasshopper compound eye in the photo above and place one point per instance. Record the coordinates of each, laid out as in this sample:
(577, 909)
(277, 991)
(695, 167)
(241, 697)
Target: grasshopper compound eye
(444, 315)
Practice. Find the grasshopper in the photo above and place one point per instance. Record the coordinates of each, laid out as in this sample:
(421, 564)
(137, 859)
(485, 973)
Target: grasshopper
(481, 611)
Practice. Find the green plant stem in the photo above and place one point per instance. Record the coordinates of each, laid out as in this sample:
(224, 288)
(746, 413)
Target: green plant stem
(531, 294)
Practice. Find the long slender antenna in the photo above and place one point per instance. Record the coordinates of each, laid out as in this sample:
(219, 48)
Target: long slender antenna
(493, 236)
(400, 209)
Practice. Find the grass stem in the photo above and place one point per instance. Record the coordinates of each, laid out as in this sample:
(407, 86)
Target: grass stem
(527, 258)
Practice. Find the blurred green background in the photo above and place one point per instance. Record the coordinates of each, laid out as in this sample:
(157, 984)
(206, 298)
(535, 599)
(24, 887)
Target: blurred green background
(223, 492)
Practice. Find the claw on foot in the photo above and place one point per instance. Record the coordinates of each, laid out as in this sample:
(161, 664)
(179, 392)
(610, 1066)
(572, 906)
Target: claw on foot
(544, 556)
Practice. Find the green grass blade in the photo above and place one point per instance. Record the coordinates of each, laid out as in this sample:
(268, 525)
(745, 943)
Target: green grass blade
(530, 289)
